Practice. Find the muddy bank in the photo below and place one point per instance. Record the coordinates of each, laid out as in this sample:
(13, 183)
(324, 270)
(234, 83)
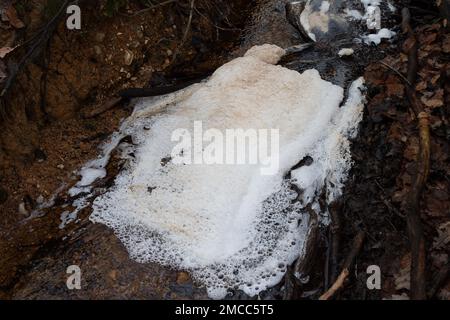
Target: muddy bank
(44, 136)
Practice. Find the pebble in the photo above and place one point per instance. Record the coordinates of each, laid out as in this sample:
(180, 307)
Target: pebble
(40, 199)
(129, 57)
(22, 209)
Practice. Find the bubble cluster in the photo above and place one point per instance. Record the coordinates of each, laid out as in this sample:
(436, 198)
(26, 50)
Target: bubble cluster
(229, 226)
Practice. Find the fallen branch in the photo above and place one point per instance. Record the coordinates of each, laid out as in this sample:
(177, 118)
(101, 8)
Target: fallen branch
(339, 283)
(335, 239)
(38, 41)
(149, 8)
(108, 105)
(186, 31)
(412, 205)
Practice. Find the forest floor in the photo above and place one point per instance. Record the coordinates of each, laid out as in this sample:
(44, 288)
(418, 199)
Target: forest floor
(35, 252)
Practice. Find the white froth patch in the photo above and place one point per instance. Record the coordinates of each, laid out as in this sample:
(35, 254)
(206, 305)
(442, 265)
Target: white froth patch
(376, 38)
(231, 227)
(346, 52)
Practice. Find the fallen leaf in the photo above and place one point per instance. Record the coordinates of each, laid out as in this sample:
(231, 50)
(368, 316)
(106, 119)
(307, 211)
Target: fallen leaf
(402, 278)
(13, 19)
(5, 50)
(443, 239)
(394, 87)
(446, 44)
(433, 100)
(3, 74)
(412, 149)
(421, 86)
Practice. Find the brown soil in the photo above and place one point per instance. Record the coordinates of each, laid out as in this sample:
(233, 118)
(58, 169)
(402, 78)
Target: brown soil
(45, 138)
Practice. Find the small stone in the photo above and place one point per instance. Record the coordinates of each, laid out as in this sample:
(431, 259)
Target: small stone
(129, 57)
(23, 210)
(169, 52)
(60, 166)
(40, 199)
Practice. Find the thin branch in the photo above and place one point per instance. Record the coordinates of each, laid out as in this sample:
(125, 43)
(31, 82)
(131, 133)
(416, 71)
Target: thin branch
(41, 38)
(412, 203)
(186, 31)
(339, 283)
(149, 8)
(397, 72)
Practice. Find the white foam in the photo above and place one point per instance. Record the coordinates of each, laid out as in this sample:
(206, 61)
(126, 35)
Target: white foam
(325, 7)
(353, 14)
(372, 17)
(231, 227)
(346, 52)
(304, 20)
(95, 169)
(376, 38)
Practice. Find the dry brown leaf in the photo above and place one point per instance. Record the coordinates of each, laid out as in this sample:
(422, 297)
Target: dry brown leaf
(442, 241)
(3, 74)
(394, 86)
(433, 100)
(446, 44)
(402, 278)
(13, 19)
(412, 149)
(5, 50)
(422, 85)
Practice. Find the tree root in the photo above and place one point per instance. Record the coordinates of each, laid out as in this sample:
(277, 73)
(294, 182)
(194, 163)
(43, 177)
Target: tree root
(412, 205)
(339, 283)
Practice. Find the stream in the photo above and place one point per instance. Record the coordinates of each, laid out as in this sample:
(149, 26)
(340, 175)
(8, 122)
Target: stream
(174, 228)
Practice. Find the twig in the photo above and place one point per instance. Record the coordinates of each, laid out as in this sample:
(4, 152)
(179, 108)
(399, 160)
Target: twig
(335, 238)
(43, 37)
(186, 32)
(339, 283)
(148, 8)
(412, 205)
(397, 72)
(102, 109)
(213, 24)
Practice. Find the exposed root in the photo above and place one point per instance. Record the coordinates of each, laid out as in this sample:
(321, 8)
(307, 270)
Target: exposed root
(339, 283)
(412, 206)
